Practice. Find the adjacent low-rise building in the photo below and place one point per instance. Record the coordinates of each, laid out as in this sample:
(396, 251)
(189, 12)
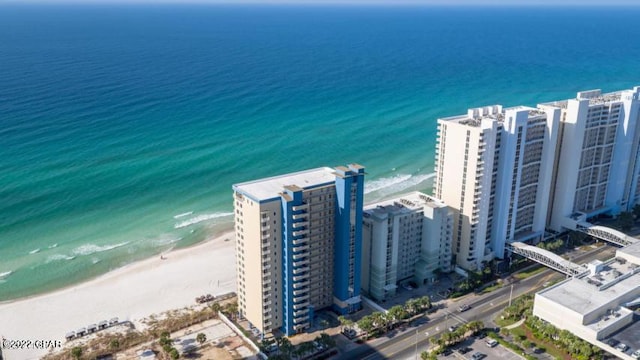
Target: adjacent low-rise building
(596, 304)
(405, 240)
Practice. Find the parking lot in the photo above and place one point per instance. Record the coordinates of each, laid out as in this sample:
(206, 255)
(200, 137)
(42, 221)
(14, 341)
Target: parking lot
(498, 352)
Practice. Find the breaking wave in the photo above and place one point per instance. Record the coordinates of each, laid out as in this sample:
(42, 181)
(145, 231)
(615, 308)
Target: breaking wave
(182, 215)
(58, 257)
(396, 183)
(200, 218)
(5, 274)
(92, 248)
(35, 251)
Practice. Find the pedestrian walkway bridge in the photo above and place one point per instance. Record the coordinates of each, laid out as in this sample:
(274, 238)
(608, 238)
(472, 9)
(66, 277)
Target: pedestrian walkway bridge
(546, 258)
(606, 234)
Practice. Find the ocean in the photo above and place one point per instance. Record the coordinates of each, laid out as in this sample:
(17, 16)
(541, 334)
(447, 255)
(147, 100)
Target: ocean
(123, 127)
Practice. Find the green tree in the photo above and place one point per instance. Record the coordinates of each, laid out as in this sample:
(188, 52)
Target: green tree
(625, 221)
(366, 324)
(345, 322)
(114, 344)
(174, 354)
(324, 338)
(76, 352)
(201, 338)
(285, 346)
(397, 313)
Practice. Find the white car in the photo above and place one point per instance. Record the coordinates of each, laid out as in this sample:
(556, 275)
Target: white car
(622, 347)
(636, 354)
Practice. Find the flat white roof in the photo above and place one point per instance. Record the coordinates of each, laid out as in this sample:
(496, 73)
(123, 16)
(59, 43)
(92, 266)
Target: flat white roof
(268, 188)
(583, 295)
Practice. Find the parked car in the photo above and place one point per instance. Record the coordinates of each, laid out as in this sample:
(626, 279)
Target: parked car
(492, 343)
(622, 347)
(447, 352)
(477, 356)
(636, 354)
(464, 350)
(452, 328)
(613, 342)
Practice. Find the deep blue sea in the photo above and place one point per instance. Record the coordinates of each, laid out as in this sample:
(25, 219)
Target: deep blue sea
(122, 128)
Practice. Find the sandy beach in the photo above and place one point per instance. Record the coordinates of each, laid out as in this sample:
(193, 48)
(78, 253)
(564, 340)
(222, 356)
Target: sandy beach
(131, 293)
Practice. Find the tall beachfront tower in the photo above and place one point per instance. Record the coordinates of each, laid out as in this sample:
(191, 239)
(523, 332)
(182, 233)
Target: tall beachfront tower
(406, 239)
(298, 246)
(597, 158)
(494, 167)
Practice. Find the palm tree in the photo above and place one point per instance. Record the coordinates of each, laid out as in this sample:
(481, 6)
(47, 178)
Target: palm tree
(76, 352)
(201, 338)
(366, 324)
(397, 313)
(215, 307)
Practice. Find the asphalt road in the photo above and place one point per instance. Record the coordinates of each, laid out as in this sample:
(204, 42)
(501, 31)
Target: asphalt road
(483, 308)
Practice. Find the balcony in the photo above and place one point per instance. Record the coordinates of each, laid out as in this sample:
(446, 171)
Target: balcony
(300, 263)
(298, 299)
(300, 323)
(266, 259)
(300, 241)
(299, 216)
(302, 207)
(300, 292)
(300, 313)
(300, 270)
(301, 305)
(267, 303)
(266, 267)
(300, 248)
(301, 284)
(300, 232)
(299, 224)
(266, 275)
(298, 257)
(267, 317)
(300, 277)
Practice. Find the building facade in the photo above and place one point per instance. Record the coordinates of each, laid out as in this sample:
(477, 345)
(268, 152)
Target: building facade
(494, 168)
(298, 246)
(596, 169)
(407, 239)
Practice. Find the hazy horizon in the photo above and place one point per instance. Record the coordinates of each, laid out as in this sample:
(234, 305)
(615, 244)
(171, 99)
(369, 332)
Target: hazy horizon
(507, 3)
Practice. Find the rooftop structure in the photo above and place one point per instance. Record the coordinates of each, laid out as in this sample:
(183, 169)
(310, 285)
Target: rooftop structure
(595, 304)
(405, 239)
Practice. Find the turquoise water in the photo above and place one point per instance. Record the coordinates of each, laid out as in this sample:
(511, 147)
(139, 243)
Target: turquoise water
(122, 128)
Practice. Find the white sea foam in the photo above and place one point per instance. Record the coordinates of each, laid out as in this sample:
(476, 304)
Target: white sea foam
(34, 251)
(200, 218)
(397, 183)
(182, 215)
(53, 246)
(383, 183)
(57, 257)
(5, 274)
(89, 249)
(165, 239)
(95, 260)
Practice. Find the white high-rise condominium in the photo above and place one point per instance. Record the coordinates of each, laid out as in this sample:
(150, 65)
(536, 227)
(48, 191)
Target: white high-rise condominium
(406, 239)
(597, 157)
(494, 168)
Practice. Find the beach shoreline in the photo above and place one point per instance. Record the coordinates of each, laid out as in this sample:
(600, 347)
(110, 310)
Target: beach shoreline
(132, 292)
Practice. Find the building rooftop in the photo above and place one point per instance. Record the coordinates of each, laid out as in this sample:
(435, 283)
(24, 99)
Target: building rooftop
(475, 116)
(605, 282)
(268, 188)
(403, 204)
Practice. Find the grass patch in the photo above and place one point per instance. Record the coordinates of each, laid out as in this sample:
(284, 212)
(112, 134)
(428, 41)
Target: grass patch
(491, 288)
(528, 273)
(504, 322)
(549, 347)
